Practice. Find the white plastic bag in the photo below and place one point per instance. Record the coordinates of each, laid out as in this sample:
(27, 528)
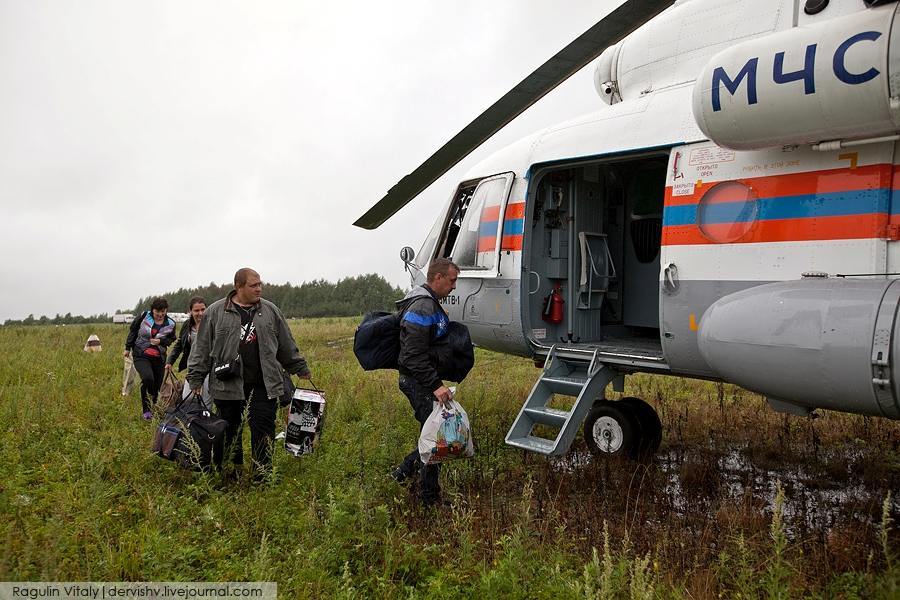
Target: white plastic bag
(446, 434)
(129, 374)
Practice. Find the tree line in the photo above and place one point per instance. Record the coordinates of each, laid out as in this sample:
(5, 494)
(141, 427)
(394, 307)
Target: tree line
(347, 297)
(67, 319)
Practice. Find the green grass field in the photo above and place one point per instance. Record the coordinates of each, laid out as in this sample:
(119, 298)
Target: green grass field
(740, 501)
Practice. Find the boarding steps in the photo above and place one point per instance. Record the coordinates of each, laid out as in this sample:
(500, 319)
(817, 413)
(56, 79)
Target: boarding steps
(584, 379)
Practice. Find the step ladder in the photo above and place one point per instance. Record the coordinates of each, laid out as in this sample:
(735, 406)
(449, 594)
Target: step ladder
(584, 379)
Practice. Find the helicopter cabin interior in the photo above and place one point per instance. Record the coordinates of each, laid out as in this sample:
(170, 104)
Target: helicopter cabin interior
(592, 255)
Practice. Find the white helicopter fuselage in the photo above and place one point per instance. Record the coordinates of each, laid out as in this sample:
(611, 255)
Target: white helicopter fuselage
(748, 149)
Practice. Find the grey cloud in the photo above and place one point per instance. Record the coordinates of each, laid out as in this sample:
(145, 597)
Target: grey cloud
(148, 146)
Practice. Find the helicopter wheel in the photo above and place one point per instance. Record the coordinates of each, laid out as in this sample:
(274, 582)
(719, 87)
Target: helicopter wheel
(651, 427)
(612, 429)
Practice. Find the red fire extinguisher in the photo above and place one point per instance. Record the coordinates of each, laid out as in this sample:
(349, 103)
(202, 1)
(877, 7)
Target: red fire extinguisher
(553, 306)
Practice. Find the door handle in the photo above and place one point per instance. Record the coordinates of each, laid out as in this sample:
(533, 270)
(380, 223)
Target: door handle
(538, 287)
(670, 278)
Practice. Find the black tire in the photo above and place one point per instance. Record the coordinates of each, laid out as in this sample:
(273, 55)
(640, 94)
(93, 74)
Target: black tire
(611, 429)
(651, 426)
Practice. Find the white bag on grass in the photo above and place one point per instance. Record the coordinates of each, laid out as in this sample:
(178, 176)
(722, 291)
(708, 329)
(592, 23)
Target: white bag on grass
(446, 434)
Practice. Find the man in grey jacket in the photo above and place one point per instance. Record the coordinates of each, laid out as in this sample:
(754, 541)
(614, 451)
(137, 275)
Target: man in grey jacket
(423, 328)
(245, 329)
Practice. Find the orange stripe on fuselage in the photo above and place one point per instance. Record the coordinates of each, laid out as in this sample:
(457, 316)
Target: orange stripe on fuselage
(490, 213)
(799, 184)
(511, 242)
(785, 230)
(515, 211)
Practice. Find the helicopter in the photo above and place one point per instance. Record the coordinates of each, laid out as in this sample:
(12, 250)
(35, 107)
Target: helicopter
(731, 212)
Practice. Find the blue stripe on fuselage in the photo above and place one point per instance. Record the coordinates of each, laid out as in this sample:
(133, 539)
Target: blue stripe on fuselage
(488, 228)
(513, 227)
(834, 204)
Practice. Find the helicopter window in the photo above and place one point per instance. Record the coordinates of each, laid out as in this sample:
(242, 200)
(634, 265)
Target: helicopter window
(457, 213)
(479, 218)
(727, 211)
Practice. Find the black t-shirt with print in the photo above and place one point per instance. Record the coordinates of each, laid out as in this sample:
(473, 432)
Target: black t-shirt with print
(249, 348)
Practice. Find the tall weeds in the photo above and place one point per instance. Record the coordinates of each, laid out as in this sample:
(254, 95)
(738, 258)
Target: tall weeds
(82, 498)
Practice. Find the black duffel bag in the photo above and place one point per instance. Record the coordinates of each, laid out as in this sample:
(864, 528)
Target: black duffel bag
(376, 342)
(457, 357)
(376, 345)
(191, 436)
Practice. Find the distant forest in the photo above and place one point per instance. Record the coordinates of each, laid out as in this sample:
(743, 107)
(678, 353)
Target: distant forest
(66, 319)
(319, 298)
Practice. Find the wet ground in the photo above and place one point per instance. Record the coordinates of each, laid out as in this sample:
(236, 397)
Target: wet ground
(689, 483)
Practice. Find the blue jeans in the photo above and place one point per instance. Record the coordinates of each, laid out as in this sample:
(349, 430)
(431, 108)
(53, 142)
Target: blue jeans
(421, 401)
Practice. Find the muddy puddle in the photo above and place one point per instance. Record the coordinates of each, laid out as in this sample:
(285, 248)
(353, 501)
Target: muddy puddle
(690, 482)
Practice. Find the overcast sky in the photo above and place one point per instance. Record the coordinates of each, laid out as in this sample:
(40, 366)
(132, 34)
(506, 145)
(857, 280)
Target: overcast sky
(147, 146)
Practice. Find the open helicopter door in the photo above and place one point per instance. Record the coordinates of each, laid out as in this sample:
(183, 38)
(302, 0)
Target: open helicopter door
(592, 257)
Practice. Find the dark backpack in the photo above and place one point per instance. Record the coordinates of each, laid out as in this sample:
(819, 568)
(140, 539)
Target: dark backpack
(457, 357)
(376, 342)
(376, 345)
(190, 436)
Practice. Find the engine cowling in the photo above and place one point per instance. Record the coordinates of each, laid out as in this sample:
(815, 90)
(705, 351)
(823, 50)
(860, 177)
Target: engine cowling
(813, 343)
(837, 80)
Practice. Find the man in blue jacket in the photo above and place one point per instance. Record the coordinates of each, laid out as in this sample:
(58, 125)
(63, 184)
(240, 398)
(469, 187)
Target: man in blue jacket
(423, 329)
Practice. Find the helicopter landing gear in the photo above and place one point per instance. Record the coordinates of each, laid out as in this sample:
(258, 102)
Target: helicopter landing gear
(611, 429)
(651, 427)
(628, 428)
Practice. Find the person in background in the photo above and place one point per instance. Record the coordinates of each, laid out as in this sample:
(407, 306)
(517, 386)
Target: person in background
(148, 338)
(182, 347)
(247, 330)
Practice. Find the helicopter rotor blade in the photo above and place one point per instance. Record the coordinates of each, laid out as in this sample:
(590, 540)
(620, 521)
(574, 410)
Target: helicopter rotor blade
(630, 15)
